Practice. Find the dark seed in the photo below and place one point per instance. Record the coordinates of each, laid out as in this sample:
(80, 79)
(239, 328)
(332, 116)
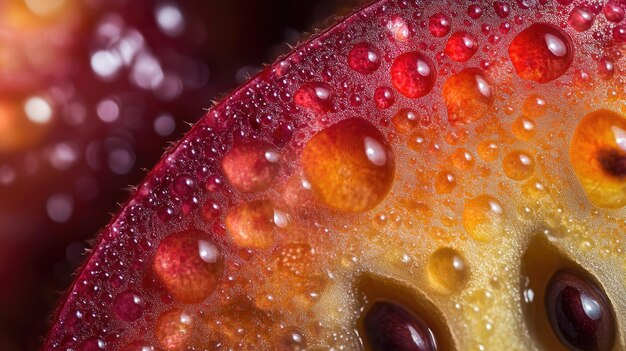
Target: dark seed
(612, 162)
(390, 327)
(579, 312)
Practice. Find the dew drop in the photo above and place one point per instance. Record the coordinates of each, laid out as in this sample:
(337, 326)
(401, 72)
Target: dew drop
(461, 46)
(447, 270)
(183, 185)
(173, 329)
(483, 218)
(502, 9)
(128, 306)
(613, 11)
(581, 18)
(518, 165)
(316, 97)
(439, 25)
(349, 165)
(405, 120)
(384, 97)
(413, 74)
(251, 224)
(468, 96)
(189, 265)
(364, 58)
(541, 53)
(445, 182)
(252, 166)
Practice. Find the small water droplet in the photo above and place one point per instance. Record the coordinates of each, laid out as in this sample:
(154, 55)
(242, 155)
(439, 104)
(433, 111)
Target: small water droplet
(439, 25)
(447, 270)
(364, 58)
(483, 218)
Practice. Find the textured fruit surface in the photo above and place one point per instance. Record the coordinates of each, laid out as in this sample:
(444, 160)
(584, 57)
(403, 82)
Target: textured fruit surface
(425, 176)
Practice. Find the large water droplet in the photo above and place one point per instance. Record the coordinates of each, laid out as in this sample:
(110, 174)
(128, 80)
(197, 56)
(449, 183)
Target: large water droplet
(189, 265)
(541, 53)
(349, 165)
(413, 74)
(468, 96)
(252, 166)
(518, 165)
(316, 97)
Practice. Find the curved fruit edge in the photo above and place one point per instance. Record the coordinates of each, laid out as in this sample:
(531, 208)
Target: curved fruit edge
(369, 6)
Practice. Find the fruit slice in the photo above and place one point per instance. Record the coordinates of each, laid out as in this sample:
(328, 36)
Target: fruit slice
(421, 176)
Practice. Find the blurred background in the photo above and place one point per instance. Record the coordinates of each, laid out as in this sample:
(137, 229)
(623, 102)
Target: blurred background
(91, 92)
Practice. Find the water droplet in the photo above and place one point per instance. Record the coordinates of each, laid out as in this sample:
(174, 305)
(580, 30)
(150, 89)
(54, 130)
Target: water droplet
(183, 185)
(413, 74)
(251, 225)
(349, 165)
(316, 97)
(518, 165)
(461, 46)
(405, 120)
(462, 159)
(445, 182)
(541, 53)
(474, 11)
(606, 68)
(581, 18)
(128, 306)
(189, 265)
(447, 271)
(384, 97)
(488, 150)
(439, 25)
(483, 218)
(173, 329)
(364, 58)
(534, 106)
(252, 166)
(613, 11)
(523, 128)
(468, 96)
(399, 29)
(502, 9)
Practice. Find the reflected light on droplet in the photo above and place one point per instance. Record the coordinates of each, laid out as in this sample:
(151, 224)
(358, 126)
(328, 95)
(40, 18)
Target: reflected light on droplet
(38, 110)
(60, 207)
(170, 19)
(164, 125)
(207, 251)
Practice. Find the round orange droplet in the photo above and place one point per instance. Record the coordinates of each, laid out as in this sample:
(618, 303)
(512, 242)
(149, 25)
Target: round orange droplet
(483, 218)
(173, 329)
(413, 74)
(189, 265)
(541, 53)
(468, 96)
(598, 156)
(251, 166)
(251, 225)
(518, 165)
(349, 165)
(405, 120)
(445, 182)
